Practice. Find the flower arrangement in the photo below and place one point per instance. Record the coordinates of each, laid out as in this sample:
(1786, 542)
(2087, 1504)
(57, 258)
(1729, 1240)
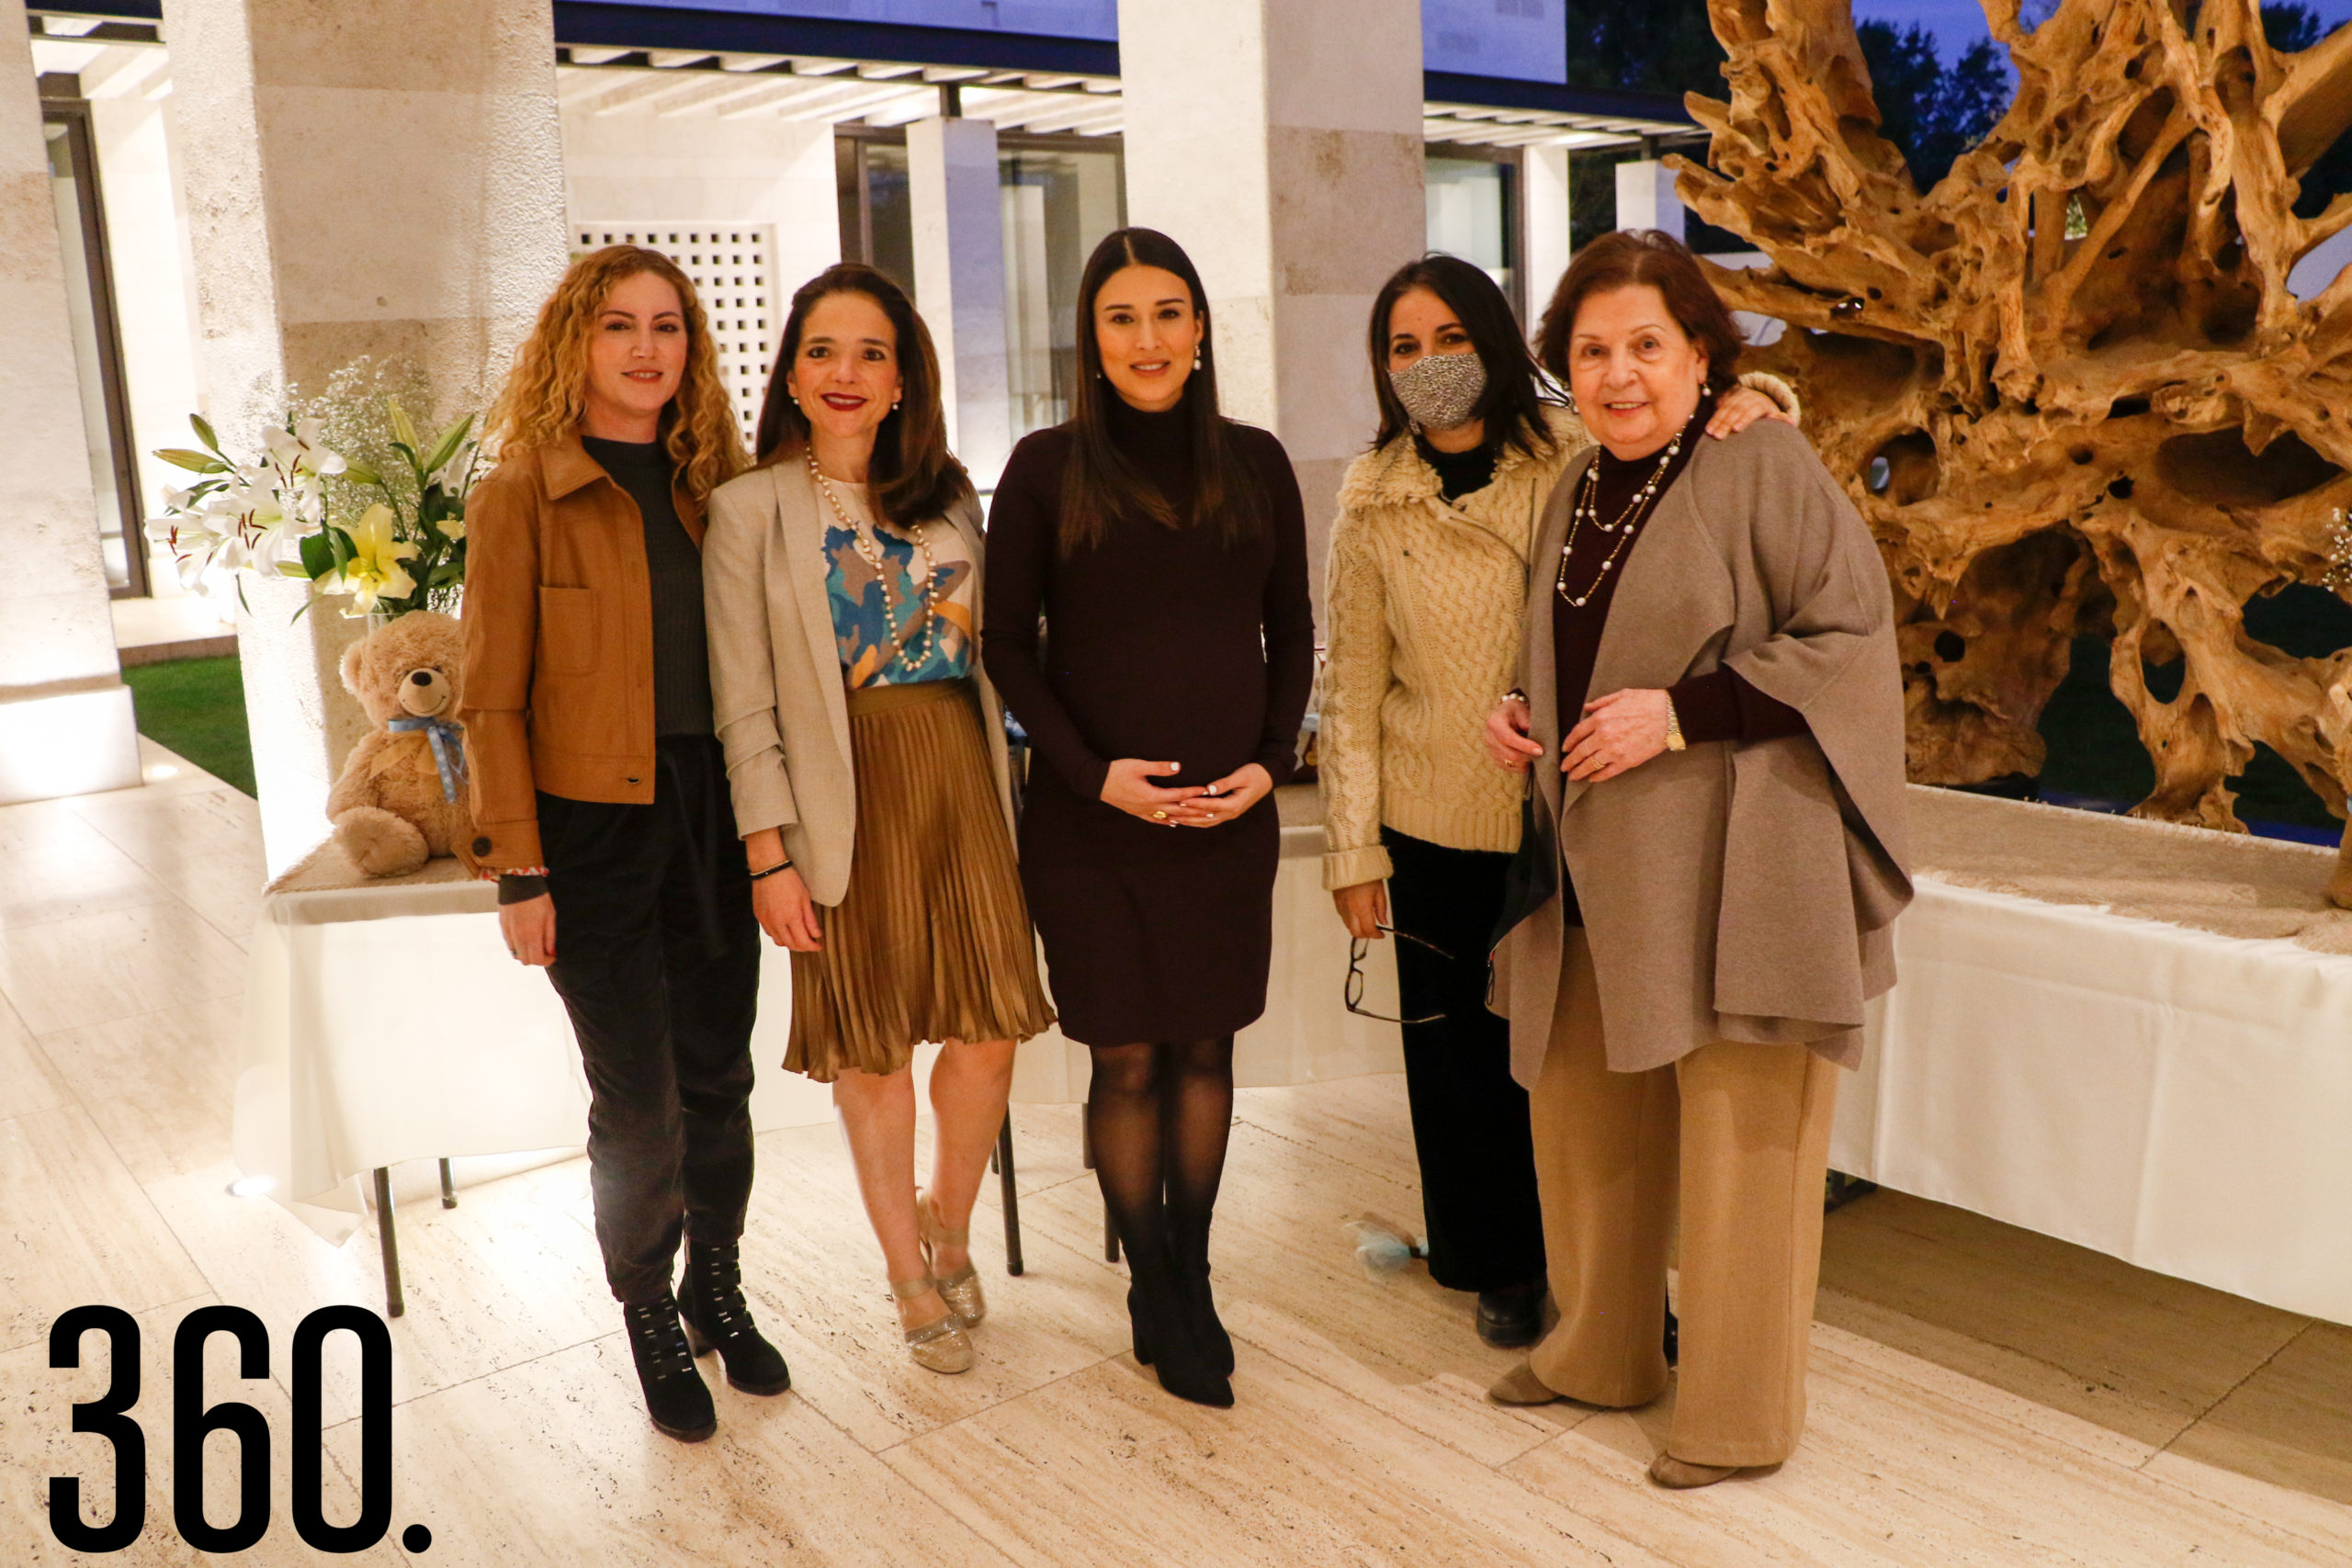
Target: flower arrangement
(380, 522)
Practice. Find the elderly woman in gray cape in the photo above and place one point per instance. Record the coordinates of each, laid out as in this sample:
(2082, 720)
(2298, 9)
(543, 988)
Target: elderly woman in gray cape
(1711, 705)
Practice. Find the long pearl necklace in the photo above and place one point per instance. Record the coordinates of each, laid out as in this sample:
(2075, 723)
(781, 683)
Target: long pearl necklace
(1628, 523)
(869, 550)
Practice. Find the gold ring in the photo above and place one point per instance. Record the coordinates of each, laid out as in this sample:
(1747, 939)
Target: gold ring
(1159, 816)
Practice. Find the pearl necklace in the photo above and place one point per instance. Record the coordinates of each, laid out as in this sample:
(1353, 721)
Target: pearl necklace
(869, 550)
(1628, 523)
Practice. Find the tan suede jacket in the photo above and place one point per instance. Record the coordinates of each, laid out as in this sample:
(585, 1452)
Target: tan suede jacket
(559, 623)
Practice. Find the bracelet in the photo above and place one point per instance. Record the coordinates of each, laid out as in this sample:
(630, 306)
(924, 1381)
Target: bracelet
(524, 870)
(1674, 741)
(784, 864)
(1513, 695)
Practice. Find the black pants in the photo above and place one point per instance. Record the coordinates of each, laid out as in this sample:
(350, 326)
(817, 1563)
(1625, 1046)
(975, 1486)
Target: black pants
(658, 962)
(1470, 1122)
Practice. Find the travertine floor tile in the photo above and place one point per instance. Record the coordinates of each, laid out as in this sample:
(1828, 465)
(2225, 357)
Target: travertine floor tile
(552, 1464)
(29, 1080)
(2322, 1521)
(2136, 1352)
(89, 969)
(203, 845)
(54, 865)
(1364, 1123)
(497, 1280)
(2290, 1423)
(161, 1086)
(75, 1228)
(37, 1436)
(1107, 1468)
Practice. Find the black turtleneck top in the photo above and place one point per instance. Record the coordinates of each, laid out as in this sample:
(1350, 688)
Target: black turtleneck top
(674, 571)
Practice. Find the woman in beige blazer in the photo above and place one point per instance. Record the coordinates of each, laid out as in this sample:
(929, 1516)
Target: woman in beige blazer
(1712, 704)
(865, 754)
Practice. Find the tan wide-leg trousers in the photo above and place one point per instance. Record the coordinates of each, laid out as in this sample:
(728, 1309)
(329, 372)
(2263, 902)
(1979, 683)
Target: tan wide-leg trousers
(1743, 1132)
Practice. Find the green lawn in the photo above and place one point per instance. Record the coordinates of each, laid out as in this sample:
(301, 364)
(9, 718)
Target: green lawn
(197, 707)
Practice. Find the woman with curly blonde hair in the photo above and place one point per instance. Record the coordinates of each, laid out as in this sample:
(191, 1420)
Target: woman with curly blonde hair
(600, 791)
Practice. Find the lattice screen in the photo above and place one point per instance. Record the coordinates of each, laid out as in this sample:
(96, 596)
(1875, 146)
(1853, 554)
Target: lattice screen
(733, 267)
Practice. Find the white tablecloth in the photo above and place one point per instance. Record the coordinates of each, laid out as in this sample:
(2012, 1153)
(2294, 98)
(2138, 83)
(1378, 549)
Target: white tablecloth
(387, 1023)
(2177, 1099)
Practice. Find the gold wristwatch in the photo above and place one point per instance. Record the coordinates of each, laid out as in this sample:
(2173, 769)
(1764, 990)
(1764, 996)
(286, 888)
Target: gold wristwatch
(1674, 741)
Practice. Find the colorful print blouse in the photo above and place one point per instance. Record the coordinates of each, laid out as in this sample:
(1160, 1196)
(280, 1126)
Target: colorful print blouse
(881, 637)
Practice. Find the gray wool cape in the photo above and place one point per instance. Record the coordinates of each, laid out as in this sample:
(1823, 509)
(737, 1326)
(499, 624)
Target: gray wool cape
(1729, 892)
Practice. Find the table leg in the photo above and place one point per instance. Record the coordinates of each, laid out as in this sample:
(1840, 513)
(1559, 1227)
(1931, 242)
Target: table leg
(1003, 1160)
(389, 1242)
(448, 1188)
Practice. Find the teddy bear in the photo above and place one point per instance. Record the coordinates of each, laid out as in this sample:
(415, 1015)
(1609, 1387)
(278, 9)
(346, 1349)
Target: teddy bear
(401, 798)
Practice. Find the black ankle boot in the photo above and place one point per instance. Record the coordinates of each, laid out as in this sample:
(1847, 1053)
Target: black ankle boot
(1510, 1320)
(1168, 1341)
(716, 1318)
(1193, 1271)
(674, 1394)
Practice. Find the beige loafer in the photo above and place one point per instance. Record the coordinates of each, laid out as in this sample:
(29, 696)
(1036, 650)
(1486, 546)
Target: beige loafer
(1680, 1475)
(1521, 1386)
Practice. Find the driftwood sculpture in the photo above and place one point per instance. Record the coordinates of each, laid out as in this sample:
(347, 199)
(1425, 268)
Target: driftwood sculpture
(2068, 387)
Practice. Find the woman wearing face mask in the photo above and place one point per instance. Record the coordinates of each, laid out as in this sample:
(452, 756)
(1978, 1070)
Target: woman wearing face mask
(1428, 571)
(1163, 546)
(601, 797)
(1714, 710)
(867, 758)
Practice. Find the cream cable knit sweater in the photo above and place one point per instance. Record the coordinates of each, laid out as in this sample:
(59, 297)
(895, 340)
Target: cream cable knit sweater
(1423, 603)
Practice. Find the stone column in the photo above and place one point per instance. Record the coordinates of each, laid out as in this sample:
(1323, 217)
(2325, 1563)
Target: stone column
(65, 719)
(1647, 197)
(1547, 227)
(1284, 152)
(959, 216)
(362, 180)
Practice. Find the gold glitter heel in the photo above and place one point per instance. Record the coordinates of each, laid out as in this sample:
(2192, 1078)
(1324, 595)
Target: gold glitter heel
(941, 1345)
(961, 1290)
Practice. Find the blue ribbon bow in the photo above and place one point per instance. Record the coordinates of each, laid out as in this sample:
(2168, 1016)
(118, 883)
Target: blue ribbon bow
(448, 741)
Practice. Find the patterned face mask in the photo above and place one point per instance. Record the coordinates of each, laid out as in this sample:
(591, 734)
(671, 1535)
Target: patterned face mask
(1439, 389)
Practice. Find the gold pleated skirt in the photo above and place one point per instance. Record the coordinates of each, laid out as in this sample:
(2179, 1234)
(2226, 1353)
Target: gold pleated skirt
(931, 942)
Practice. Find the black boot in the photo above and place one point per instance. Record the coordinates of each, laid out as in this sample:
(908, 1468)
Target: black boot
(674, 1394)
(1509, 1320)
(1166, 1338)
(1193, 1271)
(716, 1317)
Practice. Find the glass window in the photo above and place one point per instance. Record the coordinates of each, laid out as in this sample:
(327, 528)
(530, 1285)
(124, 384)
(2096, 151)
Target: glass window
(89, 292)
(1059, 203)
(890, 226)
(1474, 214)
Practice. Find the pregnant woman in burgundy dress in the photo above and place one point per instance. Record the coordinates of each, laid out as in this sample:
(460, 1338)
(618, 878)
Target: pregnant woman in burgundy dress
(1164, 549)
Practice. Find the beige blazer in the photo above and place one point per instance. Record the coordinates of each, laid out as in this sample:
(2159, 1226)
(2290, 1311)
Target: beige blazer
(1729, 892)
(775, 671)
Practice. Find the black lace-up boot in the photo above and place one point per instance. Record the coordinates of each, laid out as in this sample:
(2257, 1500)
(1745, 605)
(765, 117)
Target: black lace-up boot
(718, 1318)
(674, 1394)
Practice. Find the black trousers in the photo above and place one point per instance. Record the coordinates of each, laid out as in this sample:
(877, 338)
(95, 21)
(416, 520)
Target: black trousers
(658, 962)
(1470, 1125)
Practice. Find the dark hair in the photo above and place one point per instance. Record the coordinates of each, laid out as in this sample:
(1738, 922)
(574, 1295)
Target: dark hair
(1512, 406)
(913, 474)
(1627, 259)
(1101, 482)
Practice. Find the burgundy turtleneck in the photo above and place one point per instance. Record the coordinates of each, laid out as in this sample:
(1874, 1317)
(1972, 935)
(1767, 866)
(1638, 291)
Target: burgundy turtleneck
(1717, 705)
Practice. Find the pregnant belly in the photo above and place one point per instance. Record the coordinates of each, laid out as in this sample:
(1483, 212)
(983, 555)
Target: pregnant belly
(1204, 715)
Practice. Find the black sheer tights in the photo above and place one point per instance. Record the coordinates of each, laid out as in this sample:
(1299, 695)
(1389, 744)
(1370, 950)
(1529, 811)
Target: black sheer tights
(1157, 1117)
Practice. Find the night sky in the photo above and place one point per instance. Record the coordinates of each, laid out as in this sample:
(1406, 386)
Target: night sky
(1959, 23)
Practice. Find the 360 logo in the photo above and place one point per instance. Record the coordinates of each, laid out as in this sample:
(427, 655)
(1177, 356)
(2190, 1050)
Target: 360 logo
(109, 1417)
